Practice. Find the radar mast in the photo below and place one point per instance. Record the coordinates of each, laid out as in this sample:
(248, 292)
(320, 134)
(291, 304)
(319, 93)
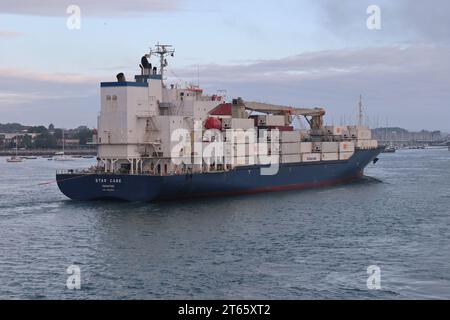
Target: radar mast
(162, 51)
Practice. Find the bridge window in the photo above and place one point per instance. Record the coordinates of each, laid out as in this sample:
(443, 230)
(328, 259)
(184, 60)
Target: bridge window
(108, 98)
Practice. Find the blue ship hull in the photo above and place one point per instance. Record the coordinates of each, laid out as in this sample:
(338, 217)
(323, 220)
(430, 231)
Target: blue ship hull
(242, 180)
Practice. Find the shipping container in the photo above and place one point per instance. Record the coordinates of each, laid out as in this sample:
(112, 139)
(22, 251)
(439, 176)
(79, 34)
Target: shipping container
(274, 148)
(291, 136)
(335, 130)
(317, 146)
(240, 136)
(271, 120)
(244, 161)
(238, 123)
(367, 144)
(305, 147)
(240, 150)
(330, 147)
(290, 148)
(345, 133)
(311, 157)
(330, 156)
(360, 132)
(347, 146)
(291, 158)
(261, 120)
(345, 155)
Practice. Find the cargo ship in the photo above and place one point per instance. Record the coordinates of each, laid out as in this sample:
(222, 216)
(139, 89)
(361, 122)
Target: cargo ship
(159, 141)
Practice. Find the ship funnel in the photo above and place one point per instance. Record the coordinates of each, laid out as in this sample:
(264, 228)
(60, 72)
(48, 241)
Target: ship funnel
(121, 77)
(146, 65)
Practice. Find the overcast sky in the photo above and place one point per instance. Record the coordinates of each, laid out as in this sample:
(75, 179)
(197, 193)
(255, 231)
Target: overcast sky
(303, 53)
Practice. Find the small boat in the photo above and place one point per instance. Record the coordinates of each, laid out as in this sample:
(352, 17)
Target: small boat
(88, 157)
(60, 156)
(389, 149)
(15, 158)
(30, 158)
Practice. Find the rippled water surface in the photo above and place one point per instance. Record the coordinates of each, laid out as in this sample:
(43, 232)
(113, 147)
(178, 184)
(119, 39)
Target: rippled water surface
(294, 245)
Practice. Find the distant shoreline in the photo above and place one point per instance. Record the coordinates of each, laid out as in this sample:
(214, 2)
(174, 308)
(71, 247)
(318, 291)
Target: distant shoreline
(48, 152)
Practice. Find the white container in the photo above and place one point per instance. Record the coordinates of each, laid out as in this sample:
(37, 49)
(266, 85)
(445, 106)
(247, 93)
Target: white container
(317, 146)
(345, 155)
(245, 124)
(364, 134)
(330, 156)
(347, 146)
(367, 144)
(240, 150)
(244, 161)
(305, 147)
(291, 136)
(213, 149)
(311, 157)
(237, 123)
(360, 132)
(335, 130)
(240, 136)
(290, 148)
(226, 123)
(330, 147)
(346, 133)
(261, 120)
(291, 158)
(272, 120)
(374, 144)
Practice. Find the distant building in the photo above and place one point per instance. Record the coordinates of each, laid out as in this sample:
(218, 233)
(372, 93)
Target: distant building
(8, 140)
(68, 142)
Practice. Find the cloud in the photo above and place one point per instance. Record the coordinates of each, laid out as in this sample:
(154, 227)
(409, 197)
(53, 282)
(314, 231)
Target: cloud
(403, 20)
(41, 98)
(88, 7)
(405, 83)
(63, 78)
(332, 63)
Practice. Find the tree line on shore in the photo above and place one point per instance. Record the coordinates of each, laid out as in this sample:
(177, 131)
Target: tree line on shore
(41, 137)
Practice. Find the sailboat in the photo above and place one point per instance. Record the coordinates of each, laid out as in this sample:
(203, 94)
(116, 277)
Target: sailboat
(60, 156)
(15, 158)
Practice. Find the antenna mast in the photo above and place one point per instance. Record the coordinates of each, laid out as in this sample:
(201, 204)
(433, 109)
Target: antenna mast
(162, 51)
(360, 112)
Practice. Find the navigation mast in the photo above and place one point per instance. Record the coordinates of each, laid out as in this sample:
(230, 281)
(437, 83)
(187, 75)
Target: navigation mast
(162, 51)
(360, 111)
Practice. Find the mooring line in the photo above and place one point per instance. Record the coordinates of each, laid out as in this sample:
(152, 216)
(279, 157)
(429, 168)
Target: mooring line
(71, 178)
